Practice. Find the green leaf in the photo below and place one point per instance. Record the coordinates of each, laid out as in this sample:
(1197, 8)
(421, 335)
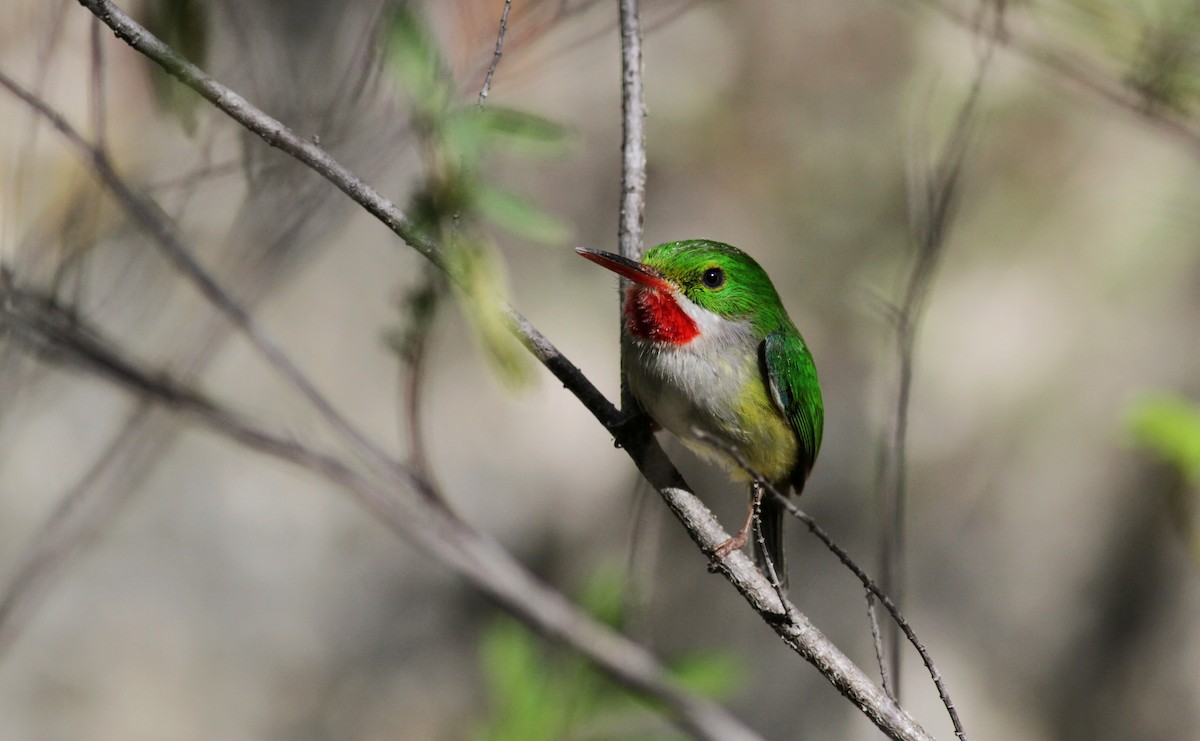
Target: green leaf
(1169, 426)
(520, 216)
(481, 290)
(541, 695)
(414, 56)
(522, 132)
(711, 674)
(603, 596)
(527, 705)
(182, 25)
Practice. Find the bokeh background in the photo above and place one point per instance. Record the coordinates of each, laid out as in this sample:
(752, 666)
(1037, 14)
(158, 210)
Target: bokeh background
(1052, 558)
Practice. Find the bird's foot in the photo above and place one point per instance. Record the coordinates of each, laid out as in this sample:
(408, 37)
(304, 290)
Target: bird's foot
(722, 551)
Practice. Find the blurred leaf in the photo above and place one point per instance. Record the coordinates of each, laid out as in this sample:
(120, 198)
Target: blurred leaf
(472, 133)
(482, 290)
(520, 216)
(526, 705)
(603, 596)
(182, 25)
(542, 694)
(414, 56)
(524, 133)
(713, 674)
(465, 137)
(1170, 426)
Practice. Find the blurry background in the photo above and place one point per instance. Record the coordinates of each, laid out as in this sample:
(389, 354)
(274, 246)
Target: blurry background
(1053, 560)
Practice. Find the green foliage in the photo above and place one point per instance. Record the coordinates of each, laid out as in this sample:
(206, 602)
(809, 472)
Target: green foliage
(458, 138)
(1170, 427)
(414, 56)
(540, 695)
(520, 216)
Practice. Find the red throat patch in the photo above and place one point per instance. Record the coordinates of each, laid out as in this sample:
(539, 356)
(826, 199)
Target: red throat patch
(654, 315)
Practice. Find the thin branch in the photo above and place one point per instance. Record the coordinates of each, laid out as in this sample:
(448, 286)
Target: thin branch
(421, 305)
(633, 142)
(491, 70)
(633, 159)
(877, 642)
(800, 634)
(98, 99)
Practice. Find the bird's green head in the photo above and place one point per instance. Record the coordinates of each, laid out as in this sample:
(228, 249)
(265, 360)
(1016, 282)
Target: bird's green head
(713, 276)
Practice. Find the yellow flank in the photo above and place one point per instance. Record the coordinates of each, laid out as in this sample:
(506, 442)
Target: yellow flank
(770, 445)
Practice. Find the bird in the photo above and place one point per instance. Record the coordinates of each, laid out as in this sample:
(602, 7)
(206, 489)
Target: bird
(711, 355)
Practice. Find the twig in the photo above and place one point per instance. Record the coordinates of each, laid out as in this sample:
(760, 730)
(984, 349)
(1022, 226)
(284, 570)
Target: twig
(98, 101)
(633, 160)
(491, 70)
(891, 607)
(877, 642)
(772, 573)
(633, 141)
(422, 304)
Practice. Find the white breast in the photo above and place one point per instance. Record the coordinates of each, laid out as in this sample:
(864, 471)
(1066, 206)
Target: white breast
(695, 385)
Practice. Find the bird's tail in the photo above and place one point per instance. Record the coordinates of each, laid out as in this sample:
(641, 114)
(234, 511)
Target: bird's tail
(771, 515)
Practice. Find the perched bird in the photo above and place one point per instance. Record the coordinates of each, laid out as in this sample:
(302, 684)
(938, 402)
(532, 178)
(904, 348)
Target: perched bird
(711, 356)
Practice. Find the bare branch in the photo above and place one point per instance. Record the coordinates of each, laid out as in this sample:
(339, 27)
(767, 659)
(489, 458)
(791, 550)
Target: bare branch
(633, 143)
(98, 101)
(877, 640)
(491, 70)
(633, 159)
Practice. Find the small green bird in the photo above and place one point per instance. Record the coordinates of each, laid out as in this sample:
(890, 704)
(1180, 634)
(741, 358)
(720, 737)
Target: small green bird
(710, 354)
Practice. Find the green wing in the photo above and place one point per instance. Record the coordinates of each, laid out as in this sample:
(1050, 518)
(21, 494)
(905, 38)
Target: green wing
(792, 378)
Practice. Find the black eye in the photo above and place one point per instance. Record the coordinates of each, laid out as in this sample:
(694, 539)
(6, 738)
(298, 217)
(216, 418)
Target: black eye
(713, 278)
